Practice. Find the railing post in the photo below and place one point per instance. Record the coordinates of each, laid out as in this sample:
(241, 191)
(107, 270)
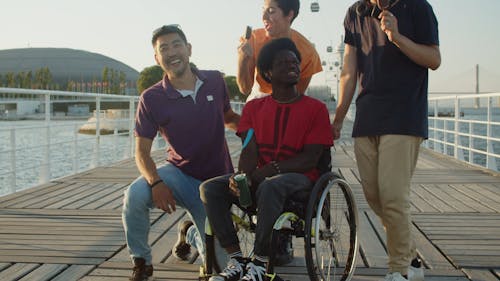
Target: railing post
(75, 150)
(435, 125)
(116, 144)
(45, 167)
(131, 116)
(471, 144)
(457, 129)
(97, 147)
(13, 177)
(490, 160)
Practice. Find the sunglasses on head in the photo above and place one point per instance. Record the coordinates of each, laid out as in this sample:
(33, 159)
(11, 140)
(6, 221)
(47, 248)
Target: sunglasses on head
(168, 26)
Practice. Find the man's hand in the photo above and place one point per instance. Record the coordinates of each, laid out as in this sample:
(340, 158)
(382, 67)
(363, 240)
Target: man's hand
(336, 129)
(163, 198)
(389, 24)
(233, 186)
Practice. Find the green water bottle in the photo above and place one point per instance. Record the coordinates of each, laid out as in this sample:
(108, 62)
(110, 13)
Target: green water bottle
(245, 196)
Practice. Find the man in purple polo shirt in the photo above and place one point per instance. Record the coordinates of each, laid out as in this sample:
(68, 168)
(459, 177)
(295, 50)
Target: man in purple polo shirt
(190, 109)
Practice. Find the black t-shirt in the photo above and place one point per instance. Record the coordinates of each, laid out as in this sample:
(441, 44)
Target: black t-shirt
(393, 89)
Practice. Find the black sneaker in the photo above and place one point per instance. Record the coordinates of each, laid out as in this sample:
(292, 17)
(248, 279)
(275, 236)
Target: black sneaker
(284, 251)
(141, 271)
(256, 271)
(181, 249)
(234, 270)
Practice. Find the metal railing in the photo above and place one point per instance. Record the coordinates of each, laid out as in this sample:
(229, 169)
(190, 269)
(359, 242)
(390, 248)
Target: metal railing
(47, 144)
(466, 127)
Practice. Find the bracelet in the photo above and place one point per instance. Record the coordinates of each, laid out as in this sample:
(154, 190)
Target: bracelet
(276, 166)
(155, 183)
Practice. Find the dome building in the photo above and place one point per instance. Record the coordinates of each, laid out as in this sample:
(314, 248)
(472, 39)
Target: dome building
(69, 66)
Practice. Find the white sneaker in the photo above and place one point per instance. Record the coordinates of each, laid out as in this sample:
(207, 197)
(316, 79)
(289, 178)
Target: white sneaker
(415, 273)
(234, 271)
(394, 276)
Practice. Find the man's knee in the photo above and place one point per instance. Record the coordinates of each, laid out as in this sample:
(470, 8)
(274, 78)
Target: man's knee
(137, 195)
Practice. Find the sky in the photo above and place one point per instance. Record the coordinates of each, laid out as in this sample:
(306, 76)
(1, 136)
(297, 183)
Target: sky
(121, 29)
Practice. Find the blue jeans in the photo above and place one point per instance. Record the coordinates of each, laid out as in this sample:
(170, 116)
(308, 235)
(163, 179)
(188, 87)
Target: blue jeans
(138, 202)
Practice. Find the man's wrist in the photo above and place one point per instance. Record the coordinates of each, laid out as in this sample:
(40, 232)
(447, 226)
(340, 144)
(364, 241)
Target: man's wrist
(155, 183)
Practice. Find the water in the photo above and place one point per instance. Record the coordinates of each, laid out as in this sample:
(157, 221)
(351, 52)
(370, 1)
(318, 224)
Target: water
(66, 155)
(479, 114)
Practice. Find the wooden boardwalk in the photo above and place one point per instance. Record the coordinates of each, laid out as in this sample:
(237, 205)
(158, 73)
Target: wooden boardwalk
(70, 229)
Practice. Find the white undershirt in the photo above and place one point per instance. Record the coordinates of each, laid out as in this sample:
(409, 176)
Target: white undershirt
(190, 93)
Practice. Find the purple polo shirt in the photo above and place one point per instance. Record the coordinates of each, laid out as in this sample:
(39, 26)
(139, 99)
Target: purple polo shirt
(193, 130)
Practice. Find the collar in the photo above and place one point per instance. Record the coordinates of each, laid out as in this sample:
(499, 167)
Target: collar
(171, 92)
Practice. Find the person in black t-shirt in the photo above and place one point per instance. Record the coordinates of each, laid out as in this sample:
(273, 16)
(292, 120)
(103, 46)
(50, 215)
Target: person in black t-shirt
(389, 50)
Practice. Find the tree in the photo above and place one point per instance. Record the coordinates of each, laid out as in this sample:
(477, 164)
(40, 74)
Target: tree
(43, 78)
(234, 91)
(148, 77)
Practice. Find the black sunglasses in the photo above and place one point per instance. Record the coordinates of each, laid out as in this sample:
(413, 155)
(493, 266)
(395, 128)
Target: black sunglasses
(168, 26)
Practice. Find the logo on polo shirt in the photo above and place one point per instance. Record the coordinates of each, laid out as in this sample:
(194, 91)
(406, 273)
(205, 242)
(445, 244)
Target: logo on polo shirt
(210, 98)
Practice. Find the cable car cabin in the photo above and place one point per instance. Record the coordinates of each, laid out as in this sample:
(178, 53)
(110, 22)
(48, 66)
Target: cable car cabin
(314, 7)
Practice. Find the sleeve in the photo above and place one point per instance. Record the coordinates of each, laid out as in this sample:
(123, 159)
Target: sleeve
(145, 126)
(313, 63)
(226, 101)
(426, 24)
(349, 33)
(246, 121)
(320, 132)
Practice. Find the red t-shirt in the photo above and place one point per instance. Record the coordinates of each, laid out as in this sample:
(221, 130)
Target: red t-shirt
(282, 130)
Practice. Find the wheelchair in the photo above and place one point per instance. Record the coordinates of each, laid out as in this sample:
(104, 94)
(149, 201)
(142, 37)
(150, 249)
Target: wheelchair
(326, 217)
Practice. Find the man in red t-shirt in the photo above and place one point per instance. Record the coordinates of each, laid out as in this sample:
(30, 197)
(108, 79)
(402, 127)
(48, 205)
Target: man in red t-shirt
(290, 133)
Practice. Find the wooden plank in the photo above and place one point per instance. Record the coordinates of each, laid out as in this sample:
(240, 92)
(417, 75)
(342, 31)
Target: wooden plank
(158, 228)
(434, 200)
(39, 194)
(87, 190)
(44, 272)
(57, 253)
(100, 191)
(117, 194)
(9, 198)
(17, 271)
(481, 275)
(4, 266)
(370, 244)
(431, 256)
(74, 272)
(418, 199)
(61, 213)
(58, 260)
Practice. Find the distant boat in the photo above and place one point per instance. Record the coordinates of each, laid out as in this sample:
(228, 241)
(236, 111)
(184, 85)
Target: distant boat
(111, 121)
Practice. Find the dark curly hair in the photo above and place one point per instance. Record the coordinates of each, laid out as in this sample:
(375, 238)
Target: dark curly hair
(268, 53)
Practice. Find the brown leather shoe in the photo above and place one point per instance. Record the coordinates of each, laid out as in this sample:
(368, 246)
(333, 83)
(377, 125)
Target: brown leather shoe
(141, 271)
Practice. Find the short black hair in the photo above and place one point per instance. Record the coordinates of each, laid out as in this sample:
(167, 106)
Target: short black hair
(289, 5)
(167, 29)
(268, 53)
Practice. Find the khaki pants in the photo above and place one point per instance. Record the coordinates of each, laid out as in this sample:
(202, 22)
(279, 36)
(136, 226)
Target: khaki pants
(386, 164)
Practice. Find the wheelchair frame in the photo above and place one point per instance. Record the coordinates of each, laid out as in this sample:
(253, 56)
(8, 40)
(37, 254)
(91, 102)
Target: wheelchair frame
(329, 229)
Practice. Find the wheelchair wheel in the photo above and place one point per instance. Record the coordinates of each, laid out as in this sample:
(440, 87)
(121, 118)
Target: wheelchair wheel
(331, 242)
(245, 228)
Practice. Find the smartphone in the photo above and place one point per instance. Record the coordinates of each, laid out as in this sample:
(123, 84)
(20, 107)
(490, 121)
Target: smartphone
(248, 32)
